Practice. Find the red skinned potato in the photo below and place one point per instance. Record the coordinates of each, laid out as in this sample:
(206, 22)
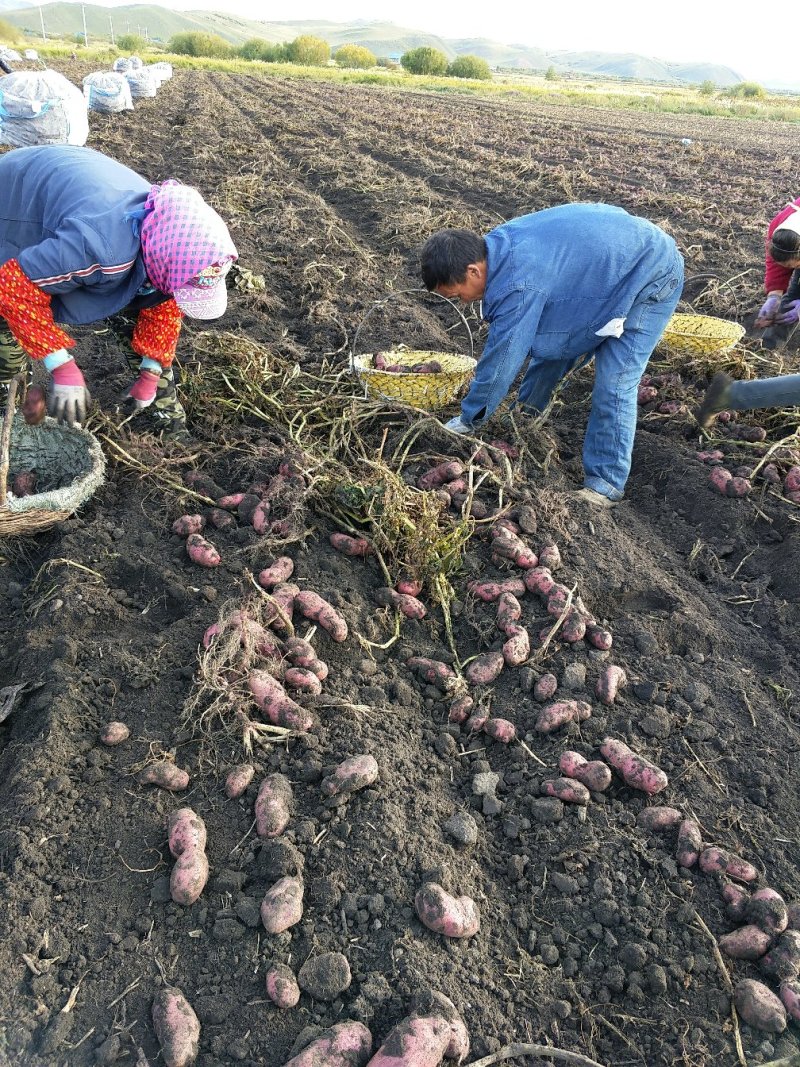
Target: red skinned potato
(782, 962)
(610, 682)
(767, 909)
(545, 687)
(635, 770)
(746, 943)
(738, 487)
(409, 586)
(114, 733)
(490, 591)
(283, 596)
(247, 506)
(278, 572)
(476, 721)
(24, 484)
(34, 406)
(439, 475)
(188, 524)
(186, 832)
(715, 859)
(718, 479)
(165, 775)
(485, 668)
(312, 606)
(303, 679)
(790, 995)
(282, 987)
(460, 709)
(238, 779)
(509, 611)
(426, 1037)
(511, 547)
(177, 1027)
(230, 501)
(202, 552)
(402, 602)
(736, 899)
(539, 580)
(299, 652)
(188, 878)
(791, 483)
(646, 393)
(501, 730)
(282, 905)
(355, 547)
(352, 774)
(759, 1007)
(454, 917)
(598, 637)
(273, 806)
(573, 629)
(690, 843)
(594, 774)
(659, 818)
(550, 557)
(553, 716)
(277, 705)
(433, 671)
(346, 1044)
(517, 648)
(260, 518)
(567, 790)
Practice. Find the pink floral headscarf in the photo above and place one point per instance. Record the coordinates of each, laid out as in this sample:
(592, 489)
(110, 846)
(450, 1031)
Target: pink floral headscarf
(181, 236)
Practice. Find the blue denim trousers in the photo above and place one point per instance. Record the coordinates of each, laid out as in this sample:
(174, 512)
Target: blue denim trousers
(619, 365)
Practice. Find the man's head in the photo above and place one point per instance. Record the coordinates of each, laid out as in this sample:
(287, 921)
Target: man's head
(453, 264)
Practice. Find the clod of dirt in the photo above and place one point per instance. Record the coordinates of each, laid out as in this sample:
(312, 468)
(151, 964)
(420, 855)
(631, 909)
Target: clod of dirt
(325, 977)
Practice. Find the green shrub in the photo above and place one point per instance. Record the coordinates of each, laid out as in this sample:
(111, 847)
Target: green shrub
(354, 55)
(424, 61)
(131, 43)
(707, 88)
(551, 74)
(470, 67)
(308, 51)
(748, 90)
(263, 51)
(200, 44)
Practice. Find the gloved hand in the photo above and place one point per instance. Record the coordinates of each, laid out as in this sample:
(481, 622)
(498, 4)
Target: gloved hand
(456, 425)
(143, 391)
(790, 315)
(68, 398)
(769, 310)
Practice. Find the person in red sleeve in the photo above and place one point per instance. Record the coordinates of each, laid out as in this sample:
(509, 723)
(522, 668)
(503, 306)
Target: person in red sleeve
(781, 309)
(84, 238)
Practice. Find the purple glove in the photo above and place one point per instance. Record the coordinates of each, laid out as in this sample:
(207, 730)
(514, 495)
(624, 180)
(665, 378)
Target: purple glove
(791, 315)
(770, 309)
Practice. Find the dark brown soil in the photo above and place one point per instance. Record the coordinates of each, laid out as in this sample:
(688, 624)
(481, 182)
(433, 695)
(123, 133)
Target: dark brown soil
(590, 934)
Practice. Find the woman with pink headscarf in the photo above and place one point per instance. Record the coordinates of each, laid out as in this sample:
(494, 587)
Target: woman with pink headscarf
(84, 238)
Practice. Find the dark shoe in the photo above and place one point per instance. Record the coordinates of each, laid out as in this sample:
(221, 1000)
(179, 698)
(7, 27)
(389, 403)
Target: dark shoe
(716, 399)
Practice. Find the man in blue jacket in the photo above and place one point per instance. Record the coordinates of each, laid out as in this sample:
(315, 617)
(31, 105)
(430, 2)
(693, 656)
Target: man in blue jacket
(559, 287)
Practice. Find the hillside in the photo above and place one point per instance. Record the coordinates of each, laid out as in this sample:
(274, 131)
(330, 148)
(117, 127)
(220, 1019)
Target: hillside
(382, 38)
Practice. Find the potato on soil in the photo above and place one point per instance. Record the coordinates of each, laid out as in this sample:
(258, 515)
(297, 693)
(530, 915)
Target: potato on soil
(736, 898)
(188, 524)
(230, 501)
(790, 995)
(509, 546)
(485, 668)
(433, 671)
(276, 573)
(282, 987)
(517, 648)
(658, 818)
(767, 909)
(746, 943)
(476, 721)
(645, 394)
(635, 770)
(300, 653)
(545, 687)
(567, 790)
(282, 906)
(501, 730)
(539, 580)
(451, 916)
(303, 680)
(402, 602)
(738, 487)
(509, 611)
(758, 1006)
(594, 774)
(438, 475)
(312, 606)
(177, 1027)
(202, 552)
(247, 506)
(165, 775)
(238, 779)
(690, 843)
(352, 774)
(277, 705)
(23, 484)
(410, 586)
(490, 591)
(186, 832)
(782, 962)
(598, 637)
(460, 709)
(355, 547)
(573, 629)
(283, 603)
(347, 1044)
(610, 682)
(188, 877)
(34, 406)
(424, 1039)
(273, 805)
(718, 479)
(553, 716)
(114, 733)
(719, 860)
(550, 557)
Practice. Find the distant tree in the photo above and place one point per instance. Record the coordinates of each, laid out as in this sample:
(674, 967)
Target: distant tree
(551, 74)
(308, 51)
(424, 61)
(384, 61)
(707, 88)
(258, 48)
(131, 43)
(470, 67)
(9, 34)
(200, 44)
(354, 55)
(748, 90)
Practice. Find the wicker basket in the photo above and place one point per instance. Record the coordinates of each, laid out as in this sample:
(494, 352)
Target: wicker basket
(700, 335)
(69, 464)
(427, 391)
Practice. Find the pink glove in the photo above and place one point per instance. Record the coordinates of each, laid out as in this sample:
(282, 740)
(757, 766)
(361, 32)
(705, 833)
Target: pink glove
(769, 310)
(68, 397)
(791, 315)
(143, 391)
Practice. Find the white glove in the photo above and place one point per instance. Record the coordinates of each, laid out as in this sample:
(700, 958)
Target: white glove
(457, 425)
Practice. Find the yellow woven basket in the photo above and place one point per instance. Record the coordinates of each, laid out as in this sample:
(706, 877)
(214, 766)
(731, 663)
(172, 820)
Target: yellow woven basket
(428, 391)
(700, 335)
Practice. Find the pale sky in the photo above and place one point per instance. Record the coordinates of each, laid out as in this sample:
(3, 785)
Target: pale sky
(758, 46)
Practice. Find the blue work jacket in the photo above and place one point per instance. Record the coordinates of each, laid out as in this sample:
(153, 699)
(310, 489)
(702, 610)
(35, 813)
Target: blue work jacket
(553, 280)
(62, 216)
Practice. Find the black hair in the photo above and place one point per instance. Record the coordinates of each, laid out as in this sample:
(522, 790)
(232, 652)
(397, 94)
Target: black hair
(784, 245)
(446, 255)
